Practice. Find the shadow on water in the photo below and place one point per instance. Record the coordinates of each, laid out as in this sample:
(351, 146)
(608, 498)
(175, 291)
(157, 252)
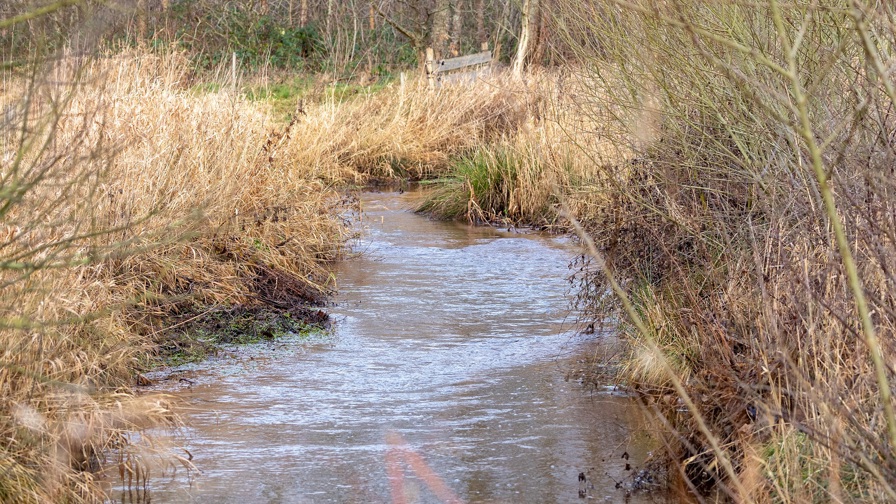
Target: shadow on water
(442, 382)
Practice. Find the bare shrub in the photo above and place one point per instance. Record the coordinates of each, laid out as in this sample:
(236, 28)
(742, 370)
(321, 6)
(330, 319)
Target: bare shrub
(751, 234)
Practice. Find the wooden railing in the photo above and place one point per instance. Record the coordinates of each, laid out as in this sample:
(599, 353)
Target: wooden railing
(461, 69)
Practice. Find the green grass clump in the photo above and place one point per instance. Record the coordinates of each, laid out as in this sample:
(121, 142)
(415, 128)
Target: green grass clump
(501, 183)
(477, 188)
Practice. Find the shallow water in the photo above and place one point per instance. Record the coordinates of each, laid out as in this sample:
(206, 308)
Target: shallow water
(444, 381)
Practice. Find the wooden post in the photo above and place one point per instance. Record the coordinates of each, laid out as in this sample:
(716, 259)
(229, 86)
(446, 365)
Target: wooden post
(430, 68)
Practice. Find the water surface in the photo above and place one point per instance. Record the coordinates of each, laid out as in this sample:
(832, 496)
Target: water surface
(443, 381)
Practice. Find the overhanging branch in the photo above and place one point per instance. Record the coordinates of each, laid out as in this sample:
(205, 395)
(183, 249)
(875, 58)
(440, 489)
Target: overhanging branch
(414, 37)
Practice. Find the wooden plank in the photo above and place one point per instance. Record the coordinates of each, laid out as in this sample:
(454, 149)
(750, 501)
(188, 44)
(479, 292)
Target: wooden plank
(465, 77)
(464, 61)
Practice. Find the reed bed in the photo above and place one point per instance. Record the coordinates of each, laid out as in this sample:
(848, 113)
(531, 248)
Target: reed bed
(413, 132)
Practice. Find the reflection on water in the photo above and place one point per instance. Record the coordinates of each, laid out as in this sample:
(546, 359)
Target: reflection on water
(443, 380)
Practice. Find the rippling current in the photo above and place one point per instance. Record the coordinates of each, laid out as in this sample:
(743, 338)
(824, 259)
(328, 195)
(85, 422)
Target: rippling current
(442, 381)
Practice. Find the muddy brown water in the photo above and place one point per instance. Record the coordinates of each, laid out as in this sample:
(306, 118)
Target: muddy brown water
(444, 380)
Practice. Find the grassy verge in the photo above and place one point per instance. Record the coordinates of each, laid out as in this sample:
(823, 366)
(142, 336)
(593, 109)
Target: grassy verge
(288, 95)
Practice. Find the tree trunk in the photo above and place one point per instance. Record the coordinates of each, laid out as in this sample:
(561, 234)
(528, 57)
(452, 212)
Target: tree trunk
(303, 13)
(372, 24)
(519, 62)
(440, 23)
(502, 26)
(456, 28)
(142, 32)
(418, 32)
(481, 36)
(540, 35)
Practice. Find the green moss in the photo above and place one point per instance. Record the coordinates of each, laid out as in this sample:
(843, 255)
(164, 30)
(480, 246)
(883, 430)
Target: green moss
(206, 333)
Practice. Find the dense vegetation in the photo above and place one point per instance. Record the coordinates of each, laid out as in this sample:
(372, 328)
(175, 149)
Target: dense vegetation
(749, 237)
(728, 164)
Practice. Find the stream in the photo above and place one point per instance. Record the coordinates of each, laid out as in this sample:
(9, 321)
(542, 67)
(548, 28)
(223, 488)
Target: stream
(443, 380)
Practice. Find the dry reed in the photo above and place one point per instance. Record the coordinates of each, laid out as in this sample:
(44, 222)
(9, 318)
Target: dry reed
(120, 190)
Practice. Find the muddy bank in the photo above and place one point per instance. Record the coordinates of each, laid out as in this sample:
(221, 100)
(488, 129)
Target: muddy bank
(277, 303)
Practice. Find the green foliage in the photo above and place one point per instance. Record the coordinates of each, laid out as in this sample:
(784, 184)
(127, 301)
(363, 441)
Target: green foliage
(380, 52)
(214, 33)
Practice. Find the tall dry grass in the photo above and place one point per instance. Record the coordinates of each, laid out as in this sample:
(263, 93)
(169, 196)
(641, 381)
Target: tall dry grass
(749, 237)
(125, 201)
(410, 131)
